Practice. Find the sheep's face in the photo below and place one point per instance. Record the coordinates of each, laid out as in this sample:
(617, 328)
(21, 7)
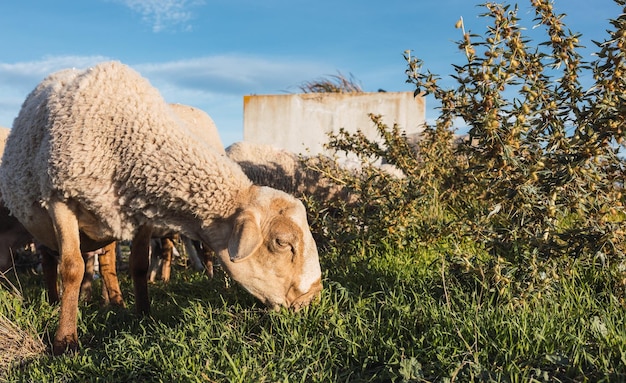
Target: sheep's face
(271, 251)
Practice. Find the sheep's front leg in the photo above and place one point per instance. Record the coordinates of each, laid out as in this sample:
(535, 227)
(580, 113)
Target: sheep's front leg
(139, 264)
(72, 268)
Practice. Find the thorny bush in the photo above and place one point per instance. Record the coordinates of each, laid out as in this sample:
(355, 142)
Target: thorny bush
(539, 176)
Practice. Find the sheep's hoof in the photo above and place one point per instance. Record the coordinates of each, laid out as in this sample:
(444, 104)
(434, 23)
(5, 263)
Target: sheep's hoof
(68, 345)
(117, 301)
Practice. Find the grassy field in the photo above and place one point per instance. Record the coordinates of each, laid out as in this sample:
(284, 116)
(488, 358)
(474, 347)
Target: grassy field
(392, 315)
(540, 188)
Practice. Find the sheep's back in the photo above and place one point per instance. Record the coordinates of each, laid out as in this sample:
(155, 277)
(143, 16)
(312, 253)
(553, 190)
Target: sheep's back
(199, 124)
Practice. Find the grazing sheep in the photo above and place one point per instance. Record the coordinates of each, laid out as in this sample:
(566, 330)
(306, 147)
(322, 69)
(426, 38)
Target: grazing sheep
(202, 127)
(277, 168)
(82, 168)
(13, 235)
(297, 175)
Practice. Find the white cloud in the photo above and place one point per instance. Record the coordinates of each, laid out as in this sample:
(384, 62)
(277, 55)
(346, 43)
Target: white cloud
(234, 74)
(17, 80)
(31, 72)
(216, 84)
(164, 14)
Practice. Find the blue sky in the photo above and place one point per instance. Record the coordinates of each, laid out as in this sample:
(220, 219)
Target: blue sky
(210, 53)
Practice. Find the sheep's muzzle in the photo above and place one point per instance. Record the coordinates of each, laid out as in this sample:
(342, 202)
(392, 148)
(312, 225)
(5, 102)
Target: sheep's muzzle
(308, 297)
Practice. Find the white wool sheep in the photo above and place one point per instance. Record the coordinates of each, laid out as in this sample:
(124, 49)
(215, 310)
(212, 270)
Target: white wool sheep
(296, 174)
(86, 156)
(12, 233)
(267, 165)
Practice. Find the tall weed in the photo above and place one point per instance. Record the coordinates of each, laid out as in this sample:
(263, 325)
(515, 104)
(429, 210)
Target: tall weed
(540, 173)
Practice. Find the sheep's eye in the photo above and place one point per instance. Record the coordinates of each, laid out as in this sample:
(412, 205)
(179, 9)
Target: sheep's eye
(282, 242)
(283, 237)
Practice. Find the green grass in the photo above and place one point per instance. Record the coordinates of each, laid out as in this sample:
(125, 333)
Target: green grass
(391, 315)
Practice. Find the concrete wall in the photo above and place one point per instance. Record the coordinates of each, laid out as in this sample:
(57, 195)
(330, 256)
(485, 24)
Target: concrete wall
(301, 122)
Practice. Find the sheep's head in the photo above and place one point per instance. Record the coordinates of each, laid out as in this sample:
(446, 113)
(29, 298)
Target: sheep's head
(271, 251)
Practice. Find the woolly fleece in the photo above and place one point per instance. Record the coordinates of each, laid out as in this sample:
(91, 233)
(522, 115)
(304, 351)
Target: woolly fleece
(102, 137)
(267, 165)
(199, 124)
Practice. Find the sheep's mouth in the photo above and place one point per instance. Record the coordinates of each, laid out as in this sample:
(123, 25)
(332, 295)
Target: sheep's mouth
(307, 298)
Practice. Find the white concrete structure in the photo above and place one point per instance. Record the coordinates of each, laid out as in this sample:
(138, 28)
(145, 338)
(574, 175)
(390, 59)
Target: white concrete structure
(300, 123)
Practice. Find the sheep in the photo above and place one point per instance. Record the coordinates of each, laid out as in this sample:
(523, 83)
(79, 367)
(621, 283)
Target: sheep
(81, 169)
(202, 127)
(297, 174)
(267, 165)
(13, 234)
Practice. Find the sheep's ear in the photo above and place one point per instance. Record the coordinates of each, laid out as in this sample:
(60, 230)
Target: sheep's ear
(245, 239)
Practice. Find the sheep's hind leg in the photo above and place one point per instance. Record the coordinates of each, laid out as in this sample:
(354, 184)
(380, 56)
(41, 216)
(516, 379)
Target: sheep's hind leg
(167, 253)
(72, 270)
(86, 287)
(139, 264)
(108, 272)
(49, 266)
(206, 254)
(207, 259)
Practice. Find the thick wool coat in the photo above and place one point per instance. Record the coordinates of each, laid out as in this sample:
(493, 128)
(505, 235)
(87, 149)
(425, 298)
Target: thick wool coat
(105, 138)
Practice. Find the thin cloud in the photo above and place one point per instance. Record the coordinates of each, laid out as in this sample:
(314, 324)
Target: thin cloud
(233, 74)
(215, 84)
(164, 14)
(27, 74)
(17, 80)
